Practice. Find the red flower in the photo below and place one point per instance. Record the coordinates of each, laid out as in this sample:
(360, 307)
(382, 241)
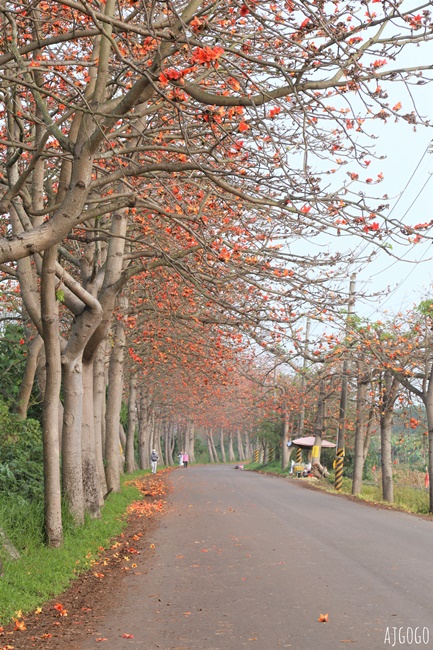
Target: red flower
(206, 54)
(379, 63)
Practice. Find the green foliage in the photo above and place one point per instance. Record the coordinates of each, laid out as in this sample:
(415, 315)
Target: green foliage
(349, 461)
(12, 366)
(21, 456)
(370, 462)
(12, 362)
(269, 431)
(124, 415)
(327, 457)
(60, 295)
(426, 308)
(43, 573)
(200, 451)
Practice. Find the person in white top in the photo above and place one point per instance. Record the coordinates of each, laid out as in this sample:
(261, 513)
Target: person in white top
(154, 458)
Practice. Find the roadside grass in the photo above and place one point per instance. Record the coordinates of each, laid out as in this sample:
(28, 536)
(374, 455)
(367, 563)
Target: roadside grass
(41, 573)
(273, 468)
(408, 499)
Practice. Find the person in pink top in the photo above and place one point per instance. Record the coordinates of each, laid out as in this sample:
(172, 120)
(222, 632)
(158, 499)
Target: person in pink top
(185, 459)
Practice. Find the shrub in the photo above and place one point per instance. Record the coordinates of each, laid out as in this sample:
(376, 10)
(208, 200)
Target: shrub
(21, 456)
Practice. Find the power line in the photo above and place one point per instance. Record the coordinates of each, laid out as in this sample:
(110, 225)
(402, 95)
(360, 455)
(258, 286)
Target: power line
(429, 149)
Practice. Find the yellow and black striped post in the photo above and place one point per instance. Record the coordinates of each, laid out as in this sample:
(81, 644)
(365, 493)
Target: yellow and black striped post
(339, 461)
(256, 456)
(298, 456)
(271, 454)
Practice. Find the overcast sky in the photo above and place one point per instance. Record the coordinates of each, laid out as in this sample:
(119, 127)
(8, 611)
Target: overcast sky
(408, 182)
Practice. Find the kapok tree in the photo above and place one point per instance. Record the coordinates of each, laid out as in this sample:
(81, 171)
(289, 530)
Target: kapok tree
(403, 349)
(104, 105)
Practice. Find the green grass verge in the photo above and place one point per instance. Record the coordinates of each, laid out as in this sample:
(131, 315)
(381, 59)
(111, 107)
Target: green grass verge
(405, 498)
(41, 573)
(272, 468)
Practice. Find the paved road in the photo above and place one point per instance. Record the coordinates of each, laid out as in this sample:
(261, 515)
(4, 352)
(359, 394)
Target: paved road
(244, 560)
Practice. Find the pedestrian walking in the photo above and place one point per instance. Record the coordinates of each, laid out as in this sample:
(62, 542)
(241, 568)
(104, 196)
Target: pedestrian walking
(185, 459)
(154, 458)
(181, 459)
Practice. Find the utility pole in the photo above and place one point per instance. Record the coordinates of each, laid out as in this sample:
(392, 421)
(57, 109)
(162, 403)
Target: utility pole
(287, 436)
(339, 461)
(301, 422)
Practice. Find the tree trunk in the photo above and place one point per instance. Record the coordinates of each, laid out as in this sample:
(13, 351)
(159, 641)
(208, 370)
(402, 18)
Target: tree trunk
(285, 453)
(122, 436)
(265, 448)
(212, 442)
(114, 405)
(41, 374)
(388, 395)
(182, 437)
(385, 447)
(93, 489)
(319, 426)
(81, 487)
(372, 422)
(190, 438)
(99, 390)
(50, 415)
(157, 435)
(169, 444)
(33, 351)
(132, 421)
(360, 429)
(231, 450)
(241, 455)
(428, 403)
(209, 448)
(72, 469)
(248, 448)
(122, 447)
(174, 431)
(223, 451)
(145, 432)
(166, 437)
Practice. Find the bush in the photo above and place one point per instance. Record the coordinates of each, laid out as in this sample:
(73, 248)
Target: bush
(21, 456)
(200, 451)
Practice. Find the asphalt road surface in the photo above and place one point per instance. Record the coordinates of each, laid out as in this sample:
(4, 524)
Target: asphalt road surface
(244, 560)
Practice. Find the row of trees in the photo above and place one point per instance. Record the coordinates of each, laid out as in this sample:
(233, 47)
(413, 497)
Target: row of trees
(388, 366)
(161, 166)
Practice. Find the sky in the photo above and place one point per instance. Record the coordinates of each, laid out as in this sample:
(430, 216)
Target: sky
(408, 171)
(407, 167)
